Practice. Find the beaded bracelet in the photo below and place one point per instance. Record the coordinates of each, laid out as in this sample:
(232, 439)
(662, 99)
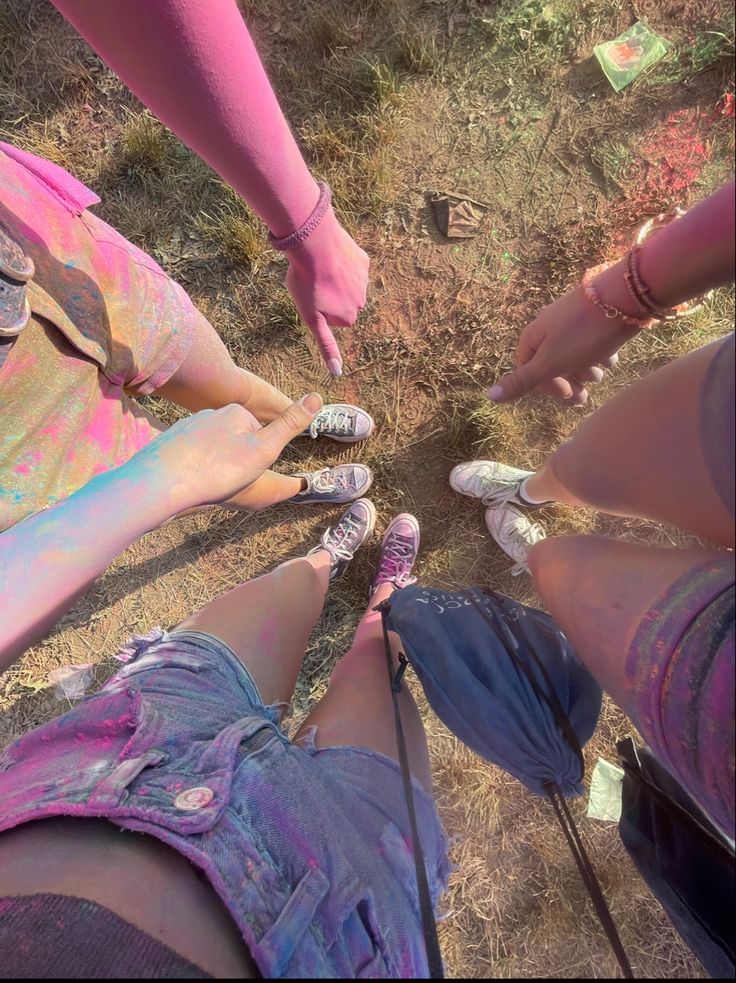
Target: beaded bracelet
(609, 310)
(304, 231)
(640, 292)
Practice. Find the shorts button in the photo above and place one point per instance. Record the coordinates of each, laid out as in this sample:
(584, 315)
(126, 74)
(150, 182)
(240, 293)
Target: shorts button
(194, 798)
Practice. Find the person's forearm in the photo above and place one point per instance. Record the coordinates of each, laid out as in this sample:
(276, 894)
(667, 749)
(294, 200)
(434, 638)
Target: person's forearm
(195, 66)
(48, 560)
(684, 259)
(694, 254)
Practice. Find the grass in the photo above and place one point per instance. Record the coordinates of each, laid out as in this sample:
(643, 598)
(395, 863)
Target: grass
(392, 100)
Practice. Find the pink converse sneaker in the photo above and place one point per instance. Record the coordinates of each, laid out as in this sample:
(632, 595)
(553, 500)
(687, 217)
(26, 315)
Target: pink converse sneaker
(398, 553)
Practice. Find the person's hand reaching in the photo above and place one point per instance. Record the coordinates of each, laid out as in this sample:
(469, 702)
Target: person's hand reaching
(214, 454)
(566, 347)
(328, 278)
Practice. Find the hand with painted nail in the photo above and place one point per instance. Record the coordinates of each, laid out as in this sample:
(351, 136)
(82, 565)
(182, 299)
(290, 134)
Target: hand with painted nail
(565, 348)
(328, 279)
(214, 454)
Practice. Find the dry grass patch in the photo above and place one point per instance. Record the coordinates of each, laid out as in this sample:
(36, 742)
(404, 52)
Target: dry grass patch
(394, 99)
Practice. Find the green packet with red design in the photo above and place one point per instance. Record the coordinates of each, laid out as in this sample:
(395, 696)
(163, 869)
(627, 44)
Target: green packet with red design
(626, 57)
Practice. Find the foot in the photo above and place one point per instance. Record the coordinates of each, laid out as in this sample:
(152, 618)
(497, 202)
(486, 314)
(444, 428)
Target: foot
(344, 483)
(493, 483)
(398, 553)
(351, 531)
(343, 422)
(515, 533)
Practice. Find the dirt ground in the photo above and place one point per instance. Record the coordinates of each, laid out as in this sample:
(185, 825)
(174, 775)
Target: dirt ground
(393, 101)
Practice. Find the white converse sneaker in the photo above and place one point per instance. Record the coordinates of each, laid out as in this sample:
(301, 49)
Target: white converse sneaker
(493, 483)
(342, 422)
(515, 533)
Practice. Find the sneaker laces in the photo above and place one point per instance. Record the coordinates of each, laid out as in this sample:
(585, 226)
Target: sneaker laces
(503, 495)
(340, 549)
(328, 480)
(521, 541)
(334, 421)
(396, 562)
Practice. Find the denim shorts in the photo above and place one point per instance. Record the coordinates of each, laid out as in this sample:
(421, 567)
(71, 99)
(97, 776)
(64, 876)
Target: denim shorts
(309, 849)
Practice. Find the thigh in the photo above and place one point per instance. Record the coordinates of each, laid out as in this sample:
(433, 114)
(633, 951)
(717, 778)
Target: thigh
(357, 711)
(656, 628)
(663, 449)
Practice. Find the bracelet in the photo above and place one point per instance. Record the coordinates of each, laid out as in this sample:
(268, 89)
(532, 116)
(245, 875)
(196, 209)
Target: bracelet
(304, 231)
(609, 310)
(639, 290)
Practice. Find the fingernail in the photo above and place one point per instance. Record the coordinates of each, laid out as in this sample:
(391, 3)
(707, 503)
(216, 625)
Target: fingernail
(312, 402)
(495, 392)
(335, 366)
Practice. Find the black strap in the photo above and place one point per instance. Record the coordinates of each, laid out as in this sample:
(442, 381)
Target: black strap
(588, 875)
(429, 926)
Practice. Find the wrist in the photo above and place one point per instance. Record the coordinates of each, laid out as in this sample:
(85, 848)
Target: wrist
(155, 492)
(325, 239)
(611, 285)
(299, 235)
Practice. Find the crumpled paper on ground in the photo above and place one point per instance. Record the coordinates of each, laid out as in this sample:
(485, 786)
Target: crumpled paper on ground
(606, 787)
(71, 682)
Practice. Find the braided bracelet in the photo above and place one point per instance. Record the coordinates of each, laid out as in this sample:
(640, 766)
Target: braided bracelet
(609, 310)
(304, 231)
(639, 290)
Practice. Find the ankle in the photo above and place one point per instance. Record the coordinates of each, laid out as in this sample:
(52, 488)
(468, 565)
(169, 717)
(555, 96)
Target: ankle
(532, 490)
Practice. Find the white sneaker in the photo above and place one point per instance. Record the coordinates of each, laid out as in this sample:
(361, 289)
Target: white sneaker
(492, 482)
(515, 533)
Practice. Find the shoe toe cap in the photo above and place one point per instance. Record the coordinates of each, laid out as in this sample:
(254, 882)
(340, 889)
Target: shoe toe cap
(363, 424)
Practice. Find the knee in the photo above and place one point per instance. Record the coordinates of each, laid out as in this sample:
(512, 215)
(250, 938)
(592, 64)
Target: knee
(556, 562)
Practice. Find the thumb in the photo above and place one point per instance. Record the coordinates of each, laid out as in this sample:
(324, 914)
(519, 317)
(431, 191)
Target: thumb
(327, 344)
(288, 424)
(524, 379)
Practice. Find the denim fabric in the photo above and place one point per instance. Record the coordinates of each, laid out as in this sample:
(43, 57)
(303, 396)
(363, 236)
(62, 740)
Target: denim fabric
(309, 849)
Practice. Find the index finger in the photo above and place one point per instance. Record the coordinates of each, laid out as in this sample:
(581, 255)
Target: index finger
(327, 344)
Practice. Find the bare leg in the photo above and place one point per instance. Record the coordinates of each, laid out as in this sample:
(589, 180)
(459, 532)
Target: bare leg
(270, 489)
(357, 708)
(644, 453)
(267, 622)
(599, 590)
(208, 379)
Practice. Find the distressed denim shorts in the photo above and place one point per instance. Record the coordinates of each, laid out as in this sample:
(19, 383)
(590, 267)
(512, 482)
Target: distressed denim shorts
(309, 849)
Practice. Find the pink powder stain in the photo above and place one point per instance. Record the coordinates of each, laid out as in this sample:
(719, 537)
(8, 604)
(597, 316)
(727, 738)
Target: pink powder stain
(103, 428)
(20, 364)
(53, 430)
(32, 459)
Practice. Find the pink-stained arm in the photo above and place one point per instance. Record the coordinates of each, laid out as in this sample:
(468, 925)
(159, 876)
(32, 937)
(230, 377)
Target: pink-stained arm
(195, 66)
(48, 560)
(193, 63)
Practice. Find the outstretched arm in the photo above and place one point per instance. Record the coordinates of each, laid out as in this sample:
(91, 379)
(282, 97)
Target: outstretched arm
(559, 351)
(49, 559)
(195, 66)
